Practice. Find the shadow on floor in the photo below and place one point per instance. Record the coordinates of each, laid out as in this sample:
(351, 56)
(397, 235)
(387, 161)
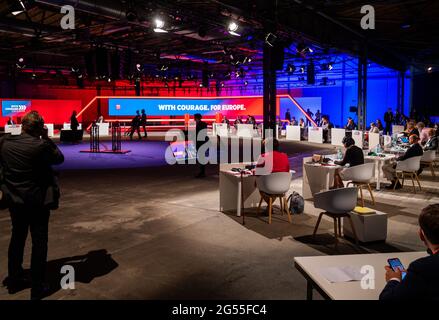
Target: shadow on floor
(87, 267)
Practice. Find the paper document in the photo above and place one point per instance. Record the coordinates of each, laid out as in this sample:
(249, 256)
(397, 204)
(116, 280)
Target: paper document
(342, 274)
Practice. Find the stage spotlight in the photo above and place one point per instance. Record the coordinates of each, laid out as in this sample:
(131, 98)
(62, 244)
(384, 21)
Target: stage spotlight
(18, 8)
(159, 25)
(233, 28)
(201, 85)
(109, 79)
(222, 84)
(20, 64)
(330, 66)
(246, 83)
(302, 69)
(34, 76)
(430, 69)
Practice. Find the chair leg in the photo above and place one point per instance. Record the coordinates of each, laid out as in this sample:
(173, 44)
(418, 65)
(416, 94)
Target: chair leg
(335, 233)
(371, 193)
(270, 208)
(397, 181)
(281, 206)
(361, 194)
(432, 169)
(260, 204)
(419, 183)
(339, 227)
(353, 229)
(317, 224)
(286, 209)
(413, 182)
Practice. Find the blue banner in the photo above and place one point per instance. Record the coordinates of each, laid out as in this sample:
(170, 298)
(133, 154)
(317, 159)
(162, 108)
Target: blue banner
(174, 107)
(12, 108)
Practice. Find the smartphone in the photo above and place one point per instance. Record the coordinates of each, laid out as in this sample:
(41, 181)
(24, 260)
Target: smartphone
(396, 264)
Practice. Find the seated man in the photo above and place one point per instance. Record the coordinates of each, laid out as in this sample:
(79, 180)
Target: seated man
(374, 128)
(272, 160)
(421, 281)
(353, 157)
(389, 169)
(432, 142)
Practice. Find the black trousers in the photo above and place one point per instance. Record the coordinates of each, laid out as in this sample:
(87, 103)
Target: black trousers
(37, 221)
(144, 131)
(388, 128)
(135, 129)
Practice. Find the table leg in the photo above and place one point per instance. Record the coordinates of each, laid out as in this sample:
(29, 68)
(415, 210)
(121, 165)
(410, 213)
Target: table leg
(380, 168)
(327, 186)
(309, 290)
(239, 199)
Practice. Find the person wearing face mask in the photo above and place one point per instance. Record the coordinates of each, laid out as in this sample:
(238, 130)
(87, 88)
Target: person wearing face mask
(421, 280)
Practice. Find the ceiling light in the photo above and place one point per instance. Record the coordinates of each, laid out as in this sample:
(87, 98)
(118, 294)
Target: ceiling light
(233, 28)
(291, 68)
(159, 25)
(18, 11)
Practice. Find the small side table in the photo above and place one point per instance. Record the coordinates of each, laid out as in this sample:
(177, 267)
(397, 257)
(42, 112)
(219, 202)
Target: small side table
(369, 227)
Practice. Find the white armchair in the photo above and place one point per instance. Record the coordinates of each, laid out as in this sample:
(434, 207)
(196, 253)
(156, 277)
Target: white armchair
(408, 167)
(271, 187)
(337, 203)
(361, 176)
(428, 159)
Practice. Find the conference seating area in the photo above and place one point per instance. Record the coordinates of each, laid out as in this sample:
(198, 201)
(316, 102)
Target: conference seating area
(233, 152)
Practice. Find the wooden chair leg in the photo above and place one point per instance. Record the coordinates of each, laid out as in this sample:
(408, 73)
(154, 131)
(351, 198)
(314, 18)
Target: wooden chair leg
(317, 224)
(270, 208)
(432, 170)
(397, 181)
(281, 206)
(353, 229)
(259, 206)
(371, 193)
(413, 182)
(287, 210)
(419, 183)
(361, 194)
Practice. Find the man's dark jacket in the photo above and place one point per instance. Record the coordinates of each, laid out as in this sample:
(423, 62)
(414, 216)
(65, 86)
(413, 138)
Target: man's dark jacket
(26, 166)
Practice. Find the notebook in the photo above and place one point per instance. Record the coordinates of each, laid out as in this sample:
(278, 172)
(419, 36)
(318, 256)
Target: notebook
(364, 210)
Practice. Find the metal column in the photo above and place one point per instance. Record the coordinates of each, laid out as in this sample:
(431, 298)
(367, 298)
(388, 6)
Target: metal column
(269, 92)
(362, 90)
(401, 92)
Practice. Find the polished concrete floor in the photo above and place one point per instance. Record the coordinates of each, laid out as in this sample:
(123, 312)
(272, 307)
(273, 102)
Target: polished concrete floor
(156, 233)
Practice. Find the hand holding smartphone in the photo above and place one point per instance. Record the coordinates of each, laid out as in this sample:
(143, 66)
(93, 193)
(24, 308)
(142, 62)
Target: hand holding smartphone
(396, 265)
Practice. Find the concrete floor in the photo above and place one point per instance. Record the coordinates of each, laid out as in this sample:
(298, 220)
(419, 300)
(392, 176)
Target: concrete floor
(156, 233)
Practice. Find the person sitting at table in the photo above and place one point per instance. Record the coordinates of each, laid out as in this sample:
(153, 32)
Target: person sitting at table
(272, 160)
(411, 129)
(379, 125)
(353, 157)
(238, 121)
(226, 121)
(423, 135)
(10, 122)
(100, 119)
(432, 142)
(293, 122)
(351, 124)
(374, 128)
(389, 169)
(302, 123)
(74, 124)
(421, 281)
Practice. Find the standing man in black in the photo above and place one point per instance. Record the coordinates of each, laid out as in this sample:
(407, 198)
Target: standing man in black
(143, 123)
(135, 125)
(26, 162)
(310, 114)
(74, 124)
(288, 116)
(389, 119)
(201, 131)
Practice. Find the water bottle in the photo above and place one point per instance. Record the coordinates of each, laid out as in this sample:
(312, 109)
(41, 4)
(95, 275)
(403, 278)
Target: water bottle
(339, 154)
(378, 148)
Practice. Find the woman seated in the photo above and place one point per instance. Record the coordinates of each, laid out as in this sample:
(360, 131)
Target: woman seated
(411, 129)
(353, 157)
(374, 128)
